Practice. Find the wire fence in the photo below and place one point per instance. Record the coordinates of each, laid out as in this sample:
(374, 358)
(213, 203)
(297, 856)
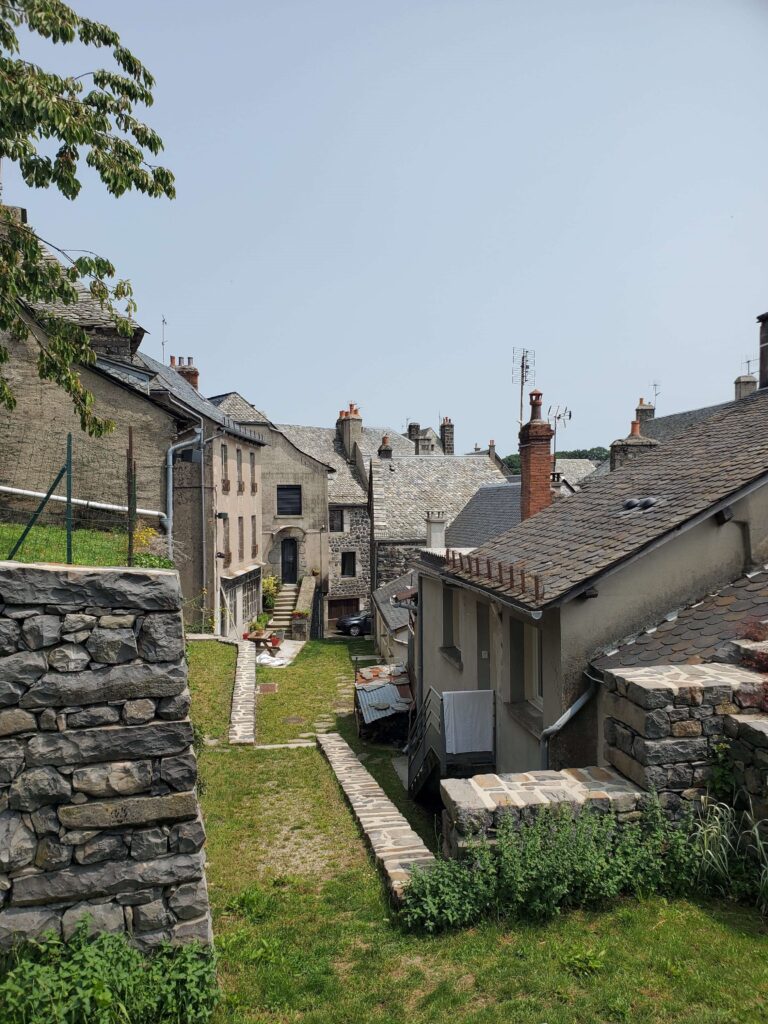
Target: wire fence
(78, 500)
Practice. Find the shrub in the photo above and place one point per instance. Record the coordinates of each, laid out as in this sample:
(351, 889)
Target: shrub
(104, 980)
(554, 862)
(145, 560)
(733, 853)
(270, 588)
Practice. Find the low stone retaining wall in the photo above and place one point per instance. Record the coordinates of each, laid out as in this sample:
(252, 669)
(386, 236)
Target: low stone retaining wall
(663, 723)
(300, 623)
(396, 847)
(478, 805)
(749, 754)
(98, 810)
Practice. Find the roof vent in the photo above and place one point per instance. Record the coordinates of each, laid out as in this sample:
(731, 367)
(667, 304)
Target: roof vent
(630, 503)
(647, 502)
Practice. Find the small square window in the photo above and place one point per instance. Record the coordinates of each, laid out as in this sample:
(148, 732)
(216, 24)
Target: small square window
(289, 499)
(336, 520)
(348, 563)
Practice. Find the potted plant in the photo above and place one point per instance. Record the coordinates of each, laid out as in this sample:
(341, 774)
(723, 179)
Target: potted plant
(274, 640)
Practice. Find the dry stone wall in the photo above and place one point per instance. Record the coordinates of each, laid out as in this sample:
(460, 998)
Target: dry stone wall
(98, 809)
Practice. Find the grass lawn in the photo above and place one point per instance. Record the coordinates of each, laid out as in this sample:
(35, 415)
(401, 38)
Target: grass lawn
(49, 544)
(305, 933)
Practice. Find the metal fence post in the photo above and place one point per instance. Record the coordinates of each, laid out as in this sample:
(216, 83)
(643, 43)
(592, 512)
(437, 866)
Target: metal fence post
(69, 499)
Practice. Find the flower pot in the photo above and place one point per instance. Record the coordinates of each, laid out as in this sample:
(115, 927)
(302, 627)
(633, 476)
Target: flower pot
(275, 641)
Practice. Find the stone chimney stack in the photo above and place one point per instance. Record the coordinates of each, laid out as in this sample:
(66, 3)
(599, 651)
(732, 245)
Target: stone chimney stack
(446, 435)
(630, 447)
(385, 448)
(414, 429)
(535, 461)
(492, 450)
(349, 428)
(188, 371)
(763, 378)
(436, 523)
(744, 385)
(644, 411)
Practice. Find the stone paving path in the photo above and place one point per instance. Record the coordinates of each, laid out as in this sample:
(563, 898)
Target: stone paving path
(396, 847)
(242, 722)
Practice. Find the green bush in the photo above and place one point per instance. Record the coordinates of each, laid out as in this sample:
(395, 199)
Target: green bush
(146, 560)
(104, 980)
(270, 588)
(556, 861)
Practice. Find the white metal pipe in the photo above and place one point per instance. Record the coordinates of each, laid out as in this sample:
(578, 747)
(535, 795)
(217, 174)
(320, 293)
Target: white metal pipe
(81, 502)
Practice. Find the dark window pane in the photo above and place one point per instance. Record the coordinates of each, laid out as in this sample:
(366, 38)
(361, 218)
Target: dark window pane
(288, 500)
(336, 520)
(348, 563)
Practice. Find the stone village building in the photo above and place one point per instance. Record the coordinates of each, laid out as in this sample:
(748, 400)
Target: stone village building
(198, 472)
(528, 614)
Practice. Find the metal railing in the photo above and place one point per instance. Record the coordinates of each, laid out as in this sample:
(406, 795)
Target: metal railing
(426, 741)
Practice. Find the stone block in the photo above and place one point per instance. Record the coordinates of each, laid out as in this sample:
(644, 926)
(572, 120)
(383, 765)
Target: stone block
(190, 901)
(180, 772)
(117, 778)
(112, 646)
(10, 768)
(19, 924)
(90, 717)
(102, 685)
(713, 727)
(161, 638)
(82, 587)
(137, 712)
(78, 623)
(188, 837)
(645, 777)
(102, 847)
(753, 730)
(122, 620)
(174, 707)
(17, 842)
(21, 670)
(46, 821)
(670, 751)
(653, 724)
(101, 917)
(14, 720)
(149, 843)
(751, 696)
(40, 631)
(51, 855)
(138, 810)
(649, 696)
(691, 727)
(113, 743)
(199, 930)
(94, 880)
(47, 720)
(679, 776)
(38, 787)
(10, 631)
(150, 917)
(469, 810)
(69, 658)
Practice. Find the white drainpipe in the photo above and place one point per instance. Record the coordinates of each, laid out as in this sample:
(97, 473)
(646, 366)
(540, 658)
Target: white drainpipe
(195, 442)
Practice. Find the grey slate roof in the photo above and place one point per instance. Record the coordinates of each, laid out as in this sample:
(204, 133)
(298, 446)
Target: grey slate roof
(394, 618)
(233, 404)
(693, 634)
(405, 488)
(661, 428)
(493, 509)
(345, 487)
(577, 539)
(151, 377)
(574, 470)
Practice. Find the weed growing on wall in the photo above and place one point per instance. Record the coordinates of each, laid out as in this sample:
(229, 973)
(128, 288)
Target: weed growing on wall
(104, 980)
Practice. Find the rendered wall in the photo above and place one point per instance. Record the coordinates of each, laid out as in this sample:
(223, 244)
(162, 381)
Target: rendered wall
(98, 809)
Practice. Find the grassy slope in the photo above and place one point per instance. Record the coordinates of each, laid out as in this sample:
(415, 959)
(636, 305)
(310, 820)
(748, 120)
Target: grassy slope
(49, 544)
(316, 944)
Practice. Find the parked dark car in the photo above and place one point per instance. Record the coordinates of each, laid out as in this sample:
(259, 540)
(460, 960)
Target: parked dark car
(354, 625)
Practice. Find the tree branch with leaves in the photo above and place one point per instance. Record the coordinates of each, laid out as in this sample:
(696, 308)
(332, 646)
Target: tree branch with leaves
(49, 125)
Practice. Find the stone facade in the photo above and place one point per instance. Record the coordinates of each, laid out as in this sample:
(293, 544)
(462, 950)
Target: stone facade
(395, 559)
(356, 537)
(98, 810)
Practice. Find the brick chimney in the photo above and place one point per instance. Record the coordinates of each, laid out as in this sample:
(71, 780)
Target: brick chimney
(535, 461)
(349, 428)
(436, 523)
(644, 411)
(188, 370)
(744, 385)
(630, 447)
(385, 448)
(446, 435)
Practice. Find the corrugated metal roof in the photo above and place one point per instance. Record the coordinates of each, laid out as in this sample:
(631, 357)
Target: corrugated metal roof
(381, 699)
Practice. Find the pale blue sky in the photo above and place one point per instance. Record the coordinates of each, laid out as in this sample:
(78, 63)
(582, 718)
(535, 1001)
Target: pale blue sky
(378, 199)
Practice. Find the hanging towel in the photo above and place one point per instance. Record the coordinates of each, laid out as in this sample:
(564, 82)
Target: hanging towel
(468, 717)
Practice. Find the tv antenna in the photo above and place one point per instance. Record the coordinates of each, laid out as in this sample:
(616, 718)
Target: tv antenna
(558, 415)
(656, 388)
(748, 363)
(164, 323)
(523, 371)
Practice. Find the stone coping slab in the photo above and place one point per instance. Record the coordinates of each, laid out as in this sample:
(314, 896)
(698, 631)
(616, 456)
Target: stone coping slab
(77, 586)
(396, 847)
(479, 804)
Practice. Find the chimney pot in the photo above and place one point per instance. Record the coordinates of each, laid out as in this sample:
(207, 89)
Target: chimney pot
(535, 461)
(173, 360)
(634, 430)
(189, 372)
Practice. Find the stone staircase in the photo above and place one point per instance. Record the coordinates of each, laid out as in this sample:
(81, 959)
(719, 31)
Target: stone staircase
(284, 605)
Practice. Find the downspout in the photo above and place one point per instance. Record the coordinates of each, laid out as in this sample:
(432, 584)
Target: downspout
(196, 441)
(565, 718)
(420, 630)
